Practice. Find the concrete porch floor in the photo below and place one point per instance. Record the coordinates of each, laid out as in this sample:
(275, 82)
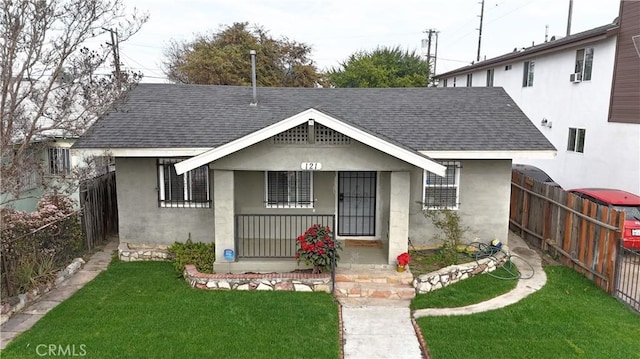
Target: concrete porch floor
(358, 257)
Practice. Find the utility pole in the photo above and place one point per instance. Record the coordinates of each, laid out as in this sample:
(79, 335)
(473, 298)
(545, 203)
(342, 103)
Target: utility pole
(480, 29)
(569, 17)
(116, 54)
(431, 33)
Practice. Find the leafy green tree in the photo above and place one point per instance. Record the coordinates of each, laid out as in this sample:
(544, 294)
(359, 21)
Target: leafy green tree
(222, 58)
(382, 67)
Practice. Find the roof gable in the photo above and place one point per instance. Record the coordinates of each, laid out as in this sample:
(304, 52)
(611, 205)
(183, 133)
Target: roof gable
(353, 132)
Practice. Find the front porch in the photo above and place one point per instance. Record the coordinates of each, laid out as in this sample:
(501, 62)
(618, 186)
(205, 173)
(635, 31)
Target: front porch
(266, 242)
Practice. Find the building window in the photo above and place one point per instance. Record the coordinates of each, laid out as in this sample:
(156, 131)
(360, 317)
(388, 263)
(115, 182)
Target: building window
(584, 63)
(190, 189)
(507, 68)
(490, 78)
(527, 77)
(576, 139)
(454, 82)
(469, 80)
(289, 189)
(444, 83)
(59, 161)
(442, 192)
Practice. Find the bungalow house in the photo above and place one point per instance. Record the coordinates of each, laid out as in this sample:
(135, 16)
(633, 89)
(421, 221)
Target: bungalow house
(251, 173)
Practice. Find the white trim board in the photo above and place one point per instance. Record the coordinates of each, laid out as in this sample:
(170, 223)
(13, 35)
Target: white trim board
(141, 152)
(490, 155)
(357, 134)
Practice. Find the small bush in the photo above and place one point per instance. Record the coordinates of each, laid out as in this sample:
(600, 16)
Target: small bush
(201, 255)
(451, 236)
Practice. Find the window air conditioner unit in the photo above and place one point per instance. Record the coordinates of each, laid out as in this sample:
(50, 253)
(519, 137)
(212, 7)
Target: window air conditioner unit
(577, 77)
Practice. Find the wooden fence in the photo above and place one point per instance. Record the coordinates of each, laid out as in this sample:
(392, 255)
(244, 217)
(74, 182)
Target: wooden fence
(99, 209)
(584, 235)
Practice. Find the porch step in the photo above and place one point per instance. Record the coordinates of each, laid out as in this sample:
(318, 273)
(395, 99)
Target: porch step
(374, 290)
(374, 283)
(380, 276)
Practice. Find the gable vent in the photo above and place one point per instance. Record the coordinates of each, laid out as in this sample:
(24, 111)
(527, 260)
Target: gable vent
(300, 135)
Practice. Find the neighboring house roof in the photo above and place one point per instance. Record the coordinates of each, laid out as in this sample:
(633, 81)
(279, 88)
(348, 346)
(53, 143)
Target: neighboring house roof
(549, 46)
(167, 116)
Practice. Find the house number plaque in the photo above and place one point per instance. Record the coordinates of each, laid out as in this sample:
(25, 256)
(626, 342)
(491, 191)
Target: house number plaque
(311, 166)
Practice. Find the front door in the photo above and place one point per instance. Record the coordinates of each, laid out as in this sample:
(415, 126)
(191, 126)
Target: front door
(357, 203)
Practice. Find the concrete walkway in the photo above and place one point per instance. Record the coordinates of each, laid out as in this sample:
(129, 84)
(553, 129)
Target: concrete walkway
(24, 320)
(383, 329)
(379, 328)
(537, 280)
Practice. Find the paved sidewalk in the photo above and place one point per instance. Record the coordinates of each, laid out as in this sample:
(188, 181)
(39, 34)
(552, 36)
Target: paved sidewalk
(378, 329)
(24, 320)
(524, 287)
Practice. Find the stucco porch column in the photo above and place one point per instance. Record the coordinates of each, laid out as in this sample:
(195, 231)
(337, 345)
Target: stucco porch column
(398, 214)
(223, 212)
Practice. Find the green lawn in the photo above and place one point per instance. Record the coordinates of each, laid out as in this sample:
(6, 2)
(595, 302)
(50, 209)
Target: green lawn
(568, 318)
(469, 291)
(141, 310)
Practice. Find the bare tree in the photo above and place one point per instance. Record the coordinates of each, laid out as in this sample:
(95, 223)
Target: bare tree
(53, 84)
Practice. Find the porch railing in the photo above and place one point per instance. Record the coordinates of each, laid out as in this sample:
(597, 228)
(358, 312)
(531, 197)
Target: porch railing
(274, 235)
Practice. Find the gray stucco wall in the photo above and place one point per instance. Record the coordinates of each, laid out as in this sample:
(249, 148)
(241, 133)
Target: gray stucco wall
(485, 187)
(141, 219)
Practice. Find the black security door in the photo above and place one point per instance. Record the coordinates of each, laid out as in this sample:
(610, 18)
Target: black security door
(356, 203)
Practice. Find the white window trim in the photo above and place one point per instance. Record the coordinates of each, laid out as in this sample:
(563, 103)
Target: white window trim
(63, 167)
(529, 72)
(289, 205)
(458, 165)
(188, 191)
(584, 62)
(576, 139)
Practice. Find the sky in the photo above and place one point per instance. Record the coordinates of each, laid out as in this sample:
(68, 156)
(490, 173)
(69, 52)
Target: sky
(337, 28)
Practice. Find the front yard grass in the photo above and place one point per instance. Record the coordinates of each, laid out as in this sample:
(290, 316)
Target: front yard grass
(469, 291)
(568, 318)
(141, 310)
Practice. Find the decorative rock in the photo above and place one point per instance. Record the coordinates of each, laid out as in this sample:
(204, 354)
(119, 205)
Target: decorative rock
(302, 288)
(224, 285)
(288, 286)
(243, 287)
(211, 284)
(263, 286)
(321, 288)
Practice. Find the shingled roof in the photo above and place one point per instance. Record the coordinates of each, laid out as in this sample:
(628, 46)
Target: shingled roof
(421, 119)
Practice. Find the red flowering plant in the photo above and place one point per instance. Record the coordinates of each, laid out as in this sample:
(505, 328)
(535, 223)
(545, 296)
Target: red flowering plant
(404, 259)
(316, 247)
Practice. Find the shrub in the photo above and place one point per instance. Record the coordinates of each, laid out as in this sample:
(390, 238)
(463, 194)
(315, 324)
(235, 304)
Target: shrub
(316, 247)
(449, 223)
(35, 245)
(202, 255)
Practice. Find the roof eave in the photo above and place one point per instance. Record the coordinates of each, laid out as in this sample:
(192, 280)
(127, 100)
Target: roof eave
(535, 50)
(495, 155)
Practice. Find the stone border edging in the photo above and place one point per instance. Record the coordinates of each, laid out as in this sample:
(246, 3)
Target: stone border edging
(129, 254)
(298, 282)
(443, 277)
(13, 305)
